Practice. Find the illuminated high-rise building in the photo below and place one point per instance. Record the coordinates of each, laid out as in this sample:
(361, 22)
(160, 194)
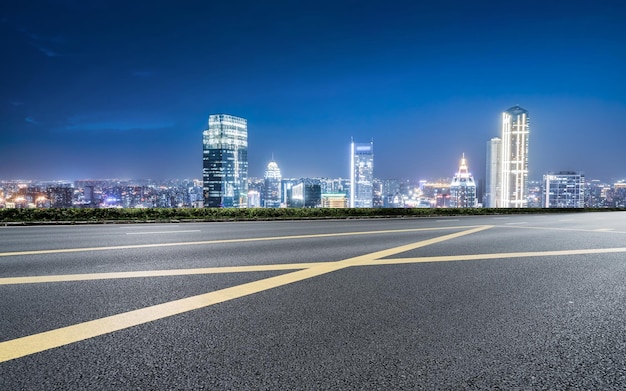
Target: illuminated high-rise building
(514, 159)
(225, 162)
(563, 189)
(254, 199)
(271, 192)
(361, 175)
(304, 193)
(492, 191)
(463, 188)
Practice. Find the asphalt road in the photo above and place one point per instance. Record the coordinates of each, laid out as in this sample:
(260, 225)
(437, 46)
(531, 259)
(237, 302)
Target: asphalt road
(493, 302)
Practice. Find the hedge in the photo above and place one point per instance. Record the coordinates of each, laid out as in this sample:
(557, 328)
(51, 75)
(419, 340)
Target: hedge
(104, 215)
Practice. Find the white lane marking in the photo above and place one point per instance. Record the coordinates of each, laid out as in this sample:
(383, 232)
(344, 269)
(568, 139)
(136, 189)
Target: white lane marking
(555, 229)
(604, 229)
(445, 221)
(143, 226)
(501, 218)
(162, 232)
(564, 220)
(520, 222)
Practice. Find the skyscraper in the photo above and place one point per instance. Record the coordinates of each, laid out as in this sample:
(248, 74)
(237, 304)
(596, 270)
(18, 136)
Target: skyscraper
(305, 193)
(463, 188)
(492, 193)
(514, 158)
(225, 162)
(563, 189)
(271, 192)
(361, 175)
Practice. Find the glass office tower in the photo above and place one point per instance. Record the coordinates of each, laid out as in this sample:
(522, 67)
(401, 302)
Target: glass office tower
(361, 175)
(271, 192)
(514, 158)
(225, 162)
(563, 189)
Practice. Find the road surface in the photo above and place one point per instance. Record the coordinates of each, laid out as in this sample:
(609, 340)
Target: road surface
(485, 302)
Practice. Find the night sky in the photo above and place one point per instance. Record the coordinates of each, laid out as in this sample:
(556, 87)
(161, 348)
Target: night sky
(123, 89)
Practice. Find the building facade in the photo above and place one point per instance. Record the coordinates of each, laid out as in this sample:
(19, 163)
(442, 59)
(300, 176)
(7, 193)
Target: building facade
(305, 194)
(361, 175)
(514, 158)
(563, 189)
(225, 162)
(492, 170)
(463, 188)
(272, 188)
(254, 199)
(334, 200)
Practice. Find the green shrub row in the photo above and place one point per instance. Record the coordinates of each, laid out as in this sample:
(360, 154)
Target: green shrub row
(80, 215)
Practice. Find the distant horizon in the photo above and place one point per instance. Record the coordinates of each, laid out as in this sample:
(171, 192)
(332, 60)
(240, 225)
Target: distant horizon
(199, 178)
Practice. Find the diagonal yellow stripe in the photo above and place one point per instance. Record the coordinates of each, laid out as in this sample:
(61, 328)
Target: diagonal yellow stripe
(35, 343)
(206, 242)
(168, 273)
(295, 266)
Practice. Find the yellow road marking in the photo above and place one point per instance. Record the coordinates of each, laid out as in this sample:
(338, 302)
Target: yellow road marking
(475, 257)
(295, 266)
(154, 273)
(35, 343)
(205, 242)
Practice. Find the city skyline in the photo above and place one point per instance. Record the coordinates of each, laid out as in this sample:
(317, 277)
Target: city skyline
(117, 90)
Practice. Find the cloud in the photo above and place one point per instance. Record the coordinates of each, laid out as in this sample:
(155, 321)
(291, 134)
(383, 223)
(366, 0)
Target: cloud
(116, 122)
(48, 52)
(46, 44)
(120, 126)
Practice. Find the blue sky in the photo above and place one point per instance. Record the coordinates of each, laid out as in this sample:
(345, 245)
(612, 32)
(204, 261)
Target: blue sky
(123, 89)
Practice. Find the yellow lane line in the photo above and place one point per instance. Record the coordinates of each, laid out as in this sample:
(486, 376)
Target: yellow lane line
(205, 242)
(375, 256)
(474, 257)
(294, 266)
(153, 273)
(35, 343)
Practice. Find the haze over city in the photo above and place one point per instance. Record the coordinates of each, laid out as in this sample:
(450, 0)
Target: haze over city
(110, 89)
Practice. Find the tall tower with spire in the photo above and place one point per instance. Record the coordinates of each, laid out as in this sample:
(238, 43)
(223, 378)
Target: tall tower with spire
(463, 188)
